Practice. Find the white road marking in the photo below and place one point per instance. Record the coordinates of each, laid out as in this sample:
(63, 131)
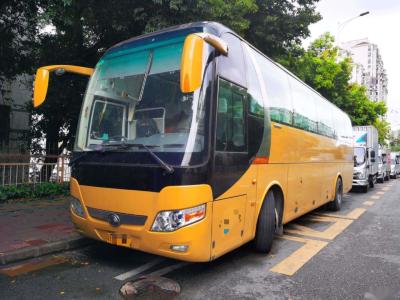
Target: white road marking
(139, 270)
(168, 269)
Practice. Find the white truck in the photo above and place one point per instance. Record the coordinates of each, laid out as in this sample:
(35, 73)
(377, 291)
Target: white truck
(395, 164)
(382, 169)
(365, 144)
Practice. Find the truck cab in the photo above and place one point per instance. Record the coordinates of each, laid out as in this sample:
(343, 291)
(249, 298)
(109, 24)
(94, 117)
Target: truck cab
(395, 164)
(381, 168)
(365, 145)
(364, 173)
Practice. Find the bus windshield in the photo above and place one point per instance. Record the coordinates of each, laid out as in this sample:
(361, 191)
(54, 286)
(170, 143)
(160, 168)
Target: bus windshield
(359, 156)
(134, 96)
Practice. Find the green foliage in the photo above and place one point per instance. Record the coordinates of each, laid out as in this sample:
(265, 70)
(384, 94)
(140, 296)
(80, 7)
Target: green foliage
(394, 142)
(17, 27)
(383, 128)
(321, 68)
(33, 191)
(395, 148)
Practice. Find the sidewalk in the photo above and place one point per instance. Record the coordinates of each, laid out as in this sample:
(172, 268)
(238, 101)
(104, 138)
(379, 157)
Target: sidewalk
(36, 227)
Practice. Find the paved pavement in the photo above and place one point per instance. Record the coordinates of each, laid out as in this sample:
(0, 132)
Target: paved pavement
(353, 254)
(30, 228)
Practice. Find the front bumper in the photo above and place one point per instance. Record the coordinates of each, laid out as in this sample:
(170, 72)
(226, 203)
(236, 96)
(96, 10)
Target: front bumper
(196, 236)
(360, 182)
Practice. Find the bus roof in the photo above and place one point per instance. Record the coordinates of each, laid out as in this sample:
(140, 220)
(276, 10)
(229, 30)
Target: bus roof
(212, 27)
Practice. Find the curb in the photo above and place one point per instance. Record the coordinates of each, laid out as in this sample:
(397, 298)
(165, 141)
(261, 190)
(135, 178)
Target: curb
(75, 241)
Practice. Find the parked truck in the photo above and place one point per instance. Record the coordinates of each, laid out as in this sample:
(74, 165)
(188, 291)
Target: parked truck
(387, 162)
(382, 165)
(365, 172)
(395, 164)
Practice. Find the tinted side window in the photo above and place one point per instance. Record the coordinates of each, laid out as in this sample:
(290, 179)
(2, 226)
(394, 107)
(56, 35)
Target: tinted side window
(325, 112)
(304, 106)
(231, 125)
(232, 66)
(277, 88)
(256, 108)
(343, 129)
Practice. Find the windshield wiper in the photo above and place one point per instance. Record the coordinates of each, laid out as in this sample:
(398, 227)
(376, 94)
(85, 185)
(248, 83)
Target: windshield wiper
(124, 145)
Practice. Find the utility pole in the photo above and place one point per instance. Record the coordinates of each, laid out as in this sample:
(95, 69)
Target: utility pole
(343, 24)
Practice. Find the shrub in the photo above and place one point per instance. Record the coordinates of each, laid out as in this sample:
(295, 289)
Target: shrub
(33, 191)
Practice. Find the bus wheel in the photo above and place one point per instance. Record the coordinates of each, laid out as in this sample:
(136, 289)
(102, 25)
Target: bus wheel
(266, 225)
(336, 204)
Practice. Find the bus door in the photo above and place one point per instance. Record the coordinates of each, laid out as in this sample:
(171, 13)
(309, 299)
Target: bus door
(233, 179)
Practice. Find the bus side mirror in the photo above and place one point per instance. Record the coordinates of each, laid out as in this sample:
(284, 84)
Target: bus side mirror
(42, 79)
(192, 59)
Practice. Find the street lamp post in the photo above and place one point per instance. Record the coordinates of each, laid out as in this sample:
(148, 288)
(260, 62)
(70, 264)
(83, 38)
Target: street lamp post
(343, 24)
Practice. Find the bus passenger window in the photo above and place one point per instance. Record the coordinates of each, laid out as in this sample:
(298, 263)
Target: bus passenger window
(230, 131)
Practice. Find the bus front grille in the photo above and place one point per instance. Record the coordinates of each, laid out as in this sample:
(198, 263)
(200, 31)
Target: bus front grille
(124, 219)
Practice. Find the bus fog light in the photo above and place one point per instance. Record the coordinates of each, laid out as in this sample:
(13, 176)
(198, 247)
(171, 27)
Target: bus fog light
(179, 248)
(77, 207)
(172, 220)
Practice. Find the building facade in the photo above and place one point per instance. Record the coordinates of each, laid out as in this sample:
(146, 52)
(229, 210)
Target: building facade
(368, 69)
(14, 114)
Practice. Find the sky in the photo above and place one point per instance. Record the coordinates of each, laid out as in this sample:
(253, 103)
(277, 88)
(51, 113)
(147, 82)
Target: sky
(381, 26)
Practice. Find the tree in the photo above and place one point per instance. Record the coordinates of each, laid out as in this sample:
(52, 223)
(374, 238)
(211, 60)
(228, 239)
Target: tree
(17, 27)
(321, 67)
(278, 27)
(383, 128)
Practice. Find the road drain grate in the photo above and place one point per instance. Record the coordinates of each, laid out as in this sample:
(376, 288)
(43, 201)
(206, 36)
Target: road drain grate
(150, 287)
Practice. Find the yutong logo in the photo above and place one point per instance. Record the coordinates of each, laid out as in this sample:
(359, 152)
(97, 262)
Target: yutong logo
(114, 220)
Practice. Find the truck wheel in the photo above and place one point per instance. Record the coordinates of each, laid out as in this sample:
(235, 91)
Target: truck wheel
(336, 204)
(266, 225)
(371, 182)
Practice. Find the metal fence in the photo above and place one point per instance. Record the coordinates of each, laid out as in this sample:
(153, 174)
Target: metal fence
(35, 170)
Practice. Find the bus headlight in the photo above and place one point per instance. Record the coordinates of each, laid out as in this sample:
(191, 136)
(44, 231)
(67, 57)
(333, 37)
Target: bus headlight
(76, 207)
(174, 219)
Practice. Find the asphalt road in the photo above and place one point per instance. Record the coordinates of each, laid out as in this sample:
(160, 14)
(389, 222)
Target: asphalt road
(354, 254)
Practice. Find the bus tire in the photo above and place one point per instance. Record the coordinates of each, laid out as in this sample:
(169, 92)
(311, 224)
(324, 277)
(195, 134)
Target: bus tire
(265, 225)
(336, 204)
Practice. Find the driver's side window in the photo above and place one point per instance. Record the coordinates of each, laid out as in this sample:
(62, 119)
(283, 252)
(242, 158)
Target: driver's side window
(231, 122)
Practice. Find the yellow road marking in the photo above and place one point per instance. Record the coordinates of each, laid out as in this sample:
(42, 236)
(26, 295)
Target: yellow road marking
(353, 215)
(380, 193)
(386, 188)
(375, 197)
(338, 225)
(32, 266)
(369, 203)
(356, 213)
(300, 257)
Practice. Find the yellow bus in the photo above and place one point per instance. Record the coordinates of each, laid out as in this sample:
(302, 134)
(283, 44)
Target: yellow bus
(191, 143)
